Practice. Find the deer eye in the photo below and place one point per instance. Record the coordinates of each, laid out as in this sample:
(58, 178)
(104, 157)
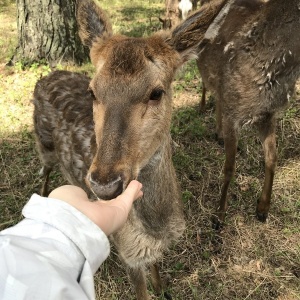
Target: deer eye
(91, 93)
(156, 96)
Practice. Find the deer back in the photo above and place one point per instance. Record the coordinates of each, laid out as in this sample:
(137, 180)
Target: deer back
(63, 123)
(252, 64)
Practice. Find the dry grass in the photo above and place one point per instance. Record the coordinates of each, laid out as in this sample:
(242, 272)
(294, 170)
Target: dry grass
(253, 261)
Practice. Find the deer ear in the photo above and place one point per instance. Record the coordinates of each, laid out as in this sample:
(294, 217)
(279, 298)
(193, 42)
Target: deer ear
(92, 21)
(198, 29)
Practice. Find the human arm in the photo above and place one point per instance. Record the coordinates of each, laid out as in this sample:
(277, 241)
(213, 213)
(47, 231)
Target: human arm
(108, 215)
(54, 252)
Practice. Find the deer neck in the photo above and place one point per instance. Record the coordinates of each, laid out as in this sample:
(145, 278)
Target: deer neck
(161, 200)
(160, 170)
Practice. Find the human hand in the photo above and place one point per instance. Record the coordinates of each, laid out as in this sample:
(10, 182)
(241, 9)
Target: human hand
(108, 215)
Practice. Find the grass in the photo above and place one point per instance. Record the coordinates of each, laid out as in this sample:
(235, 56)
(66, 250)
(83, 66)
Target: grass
(255, 261)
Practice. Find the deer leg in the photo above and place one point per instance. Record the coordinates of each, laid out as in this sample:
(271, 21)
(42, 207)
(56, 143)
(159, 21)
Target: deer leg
(203, 98)
(48, 159)
(268, 139)
(156, 279)
(45, 172)
(230, 143)
(219, 127)
(138, 279)
(157, 282)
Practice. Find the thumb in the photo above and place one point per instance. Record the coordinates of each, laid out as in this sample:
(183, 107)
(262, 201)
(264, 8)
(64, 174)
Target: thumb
(117, 210)
(131, 193)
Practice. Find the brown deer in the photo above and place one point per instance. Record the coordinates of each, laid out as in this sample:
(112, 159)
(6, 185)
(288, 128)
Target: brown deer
(114, 128)
(251, 64)
(204, 90)
(175, 11)
(172, 14)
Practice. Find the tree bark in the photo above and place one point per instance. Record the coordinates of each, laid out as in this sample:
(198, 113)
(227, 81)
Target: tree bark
(48, 31)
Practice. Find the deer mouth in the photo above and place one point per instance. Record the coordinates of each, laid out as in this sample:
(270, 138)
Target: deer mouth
(105, 191)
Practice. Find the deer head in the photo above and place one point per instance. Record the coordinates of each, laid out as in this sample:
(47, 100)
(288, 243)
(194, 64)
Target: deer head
(132, 92)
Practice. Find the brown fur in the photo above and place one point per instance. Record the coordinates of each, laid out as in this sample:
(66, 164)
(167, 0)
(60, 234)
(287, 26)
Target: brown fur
(202, 2)
(251, 67)
(170, 20)
(172, 14)
(114, 128)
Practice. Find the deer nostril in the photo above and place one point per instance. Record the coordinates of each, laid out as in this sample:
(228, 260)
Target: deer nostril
(106, 191)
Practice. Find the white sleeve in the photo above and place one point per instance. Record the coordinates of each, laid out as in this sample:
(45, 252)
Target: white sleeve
(52, 254)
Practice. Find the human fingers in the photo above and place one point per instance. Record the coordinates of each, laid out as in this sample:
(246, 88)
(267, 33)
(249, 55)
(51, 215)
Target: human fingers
(124, 201)
(132, 192)
(114, 213)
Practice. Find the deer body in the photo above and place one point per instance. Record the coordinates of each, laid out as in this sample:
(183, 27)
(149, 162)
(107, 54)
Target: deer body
(114, 128)
(63, 125)
(65, 130)
(251, 66)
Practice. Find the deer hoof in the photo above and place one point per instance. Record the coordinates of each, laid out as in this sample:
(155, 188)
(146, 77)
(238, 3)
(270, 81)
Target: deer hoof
(261, 216)
(217, 243)
(219, 140)
(216, 223)
(167, 296)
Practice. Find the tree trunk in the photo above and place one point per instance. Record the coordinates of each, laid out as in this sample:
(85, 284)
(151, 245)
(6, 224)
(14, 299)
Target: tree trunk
(47, 31)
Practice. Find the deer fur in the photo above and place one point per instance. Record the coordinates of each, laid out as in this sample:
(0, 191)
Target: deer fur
(111, 129)
(251, 64)
(172, 14)
(202, 2)
(204, 90)
(176, 10)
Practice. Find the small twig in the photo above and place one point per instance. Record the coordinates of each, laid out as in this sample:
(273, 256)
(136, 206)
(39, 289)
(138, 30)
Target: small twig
(268, 276)
(6, 223)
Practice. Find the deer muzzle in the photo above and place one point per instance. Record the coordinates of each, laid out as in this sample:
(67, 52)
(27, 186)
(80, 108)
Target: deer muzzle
(107, 190)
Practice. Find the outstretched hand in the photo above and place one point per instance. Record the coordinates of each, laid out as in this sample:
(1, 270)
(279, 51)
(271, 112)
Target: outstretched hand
(108, 215)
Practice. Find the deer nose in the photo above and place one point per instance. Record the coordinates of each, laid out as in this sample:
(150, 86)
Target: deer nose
(106, 191)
